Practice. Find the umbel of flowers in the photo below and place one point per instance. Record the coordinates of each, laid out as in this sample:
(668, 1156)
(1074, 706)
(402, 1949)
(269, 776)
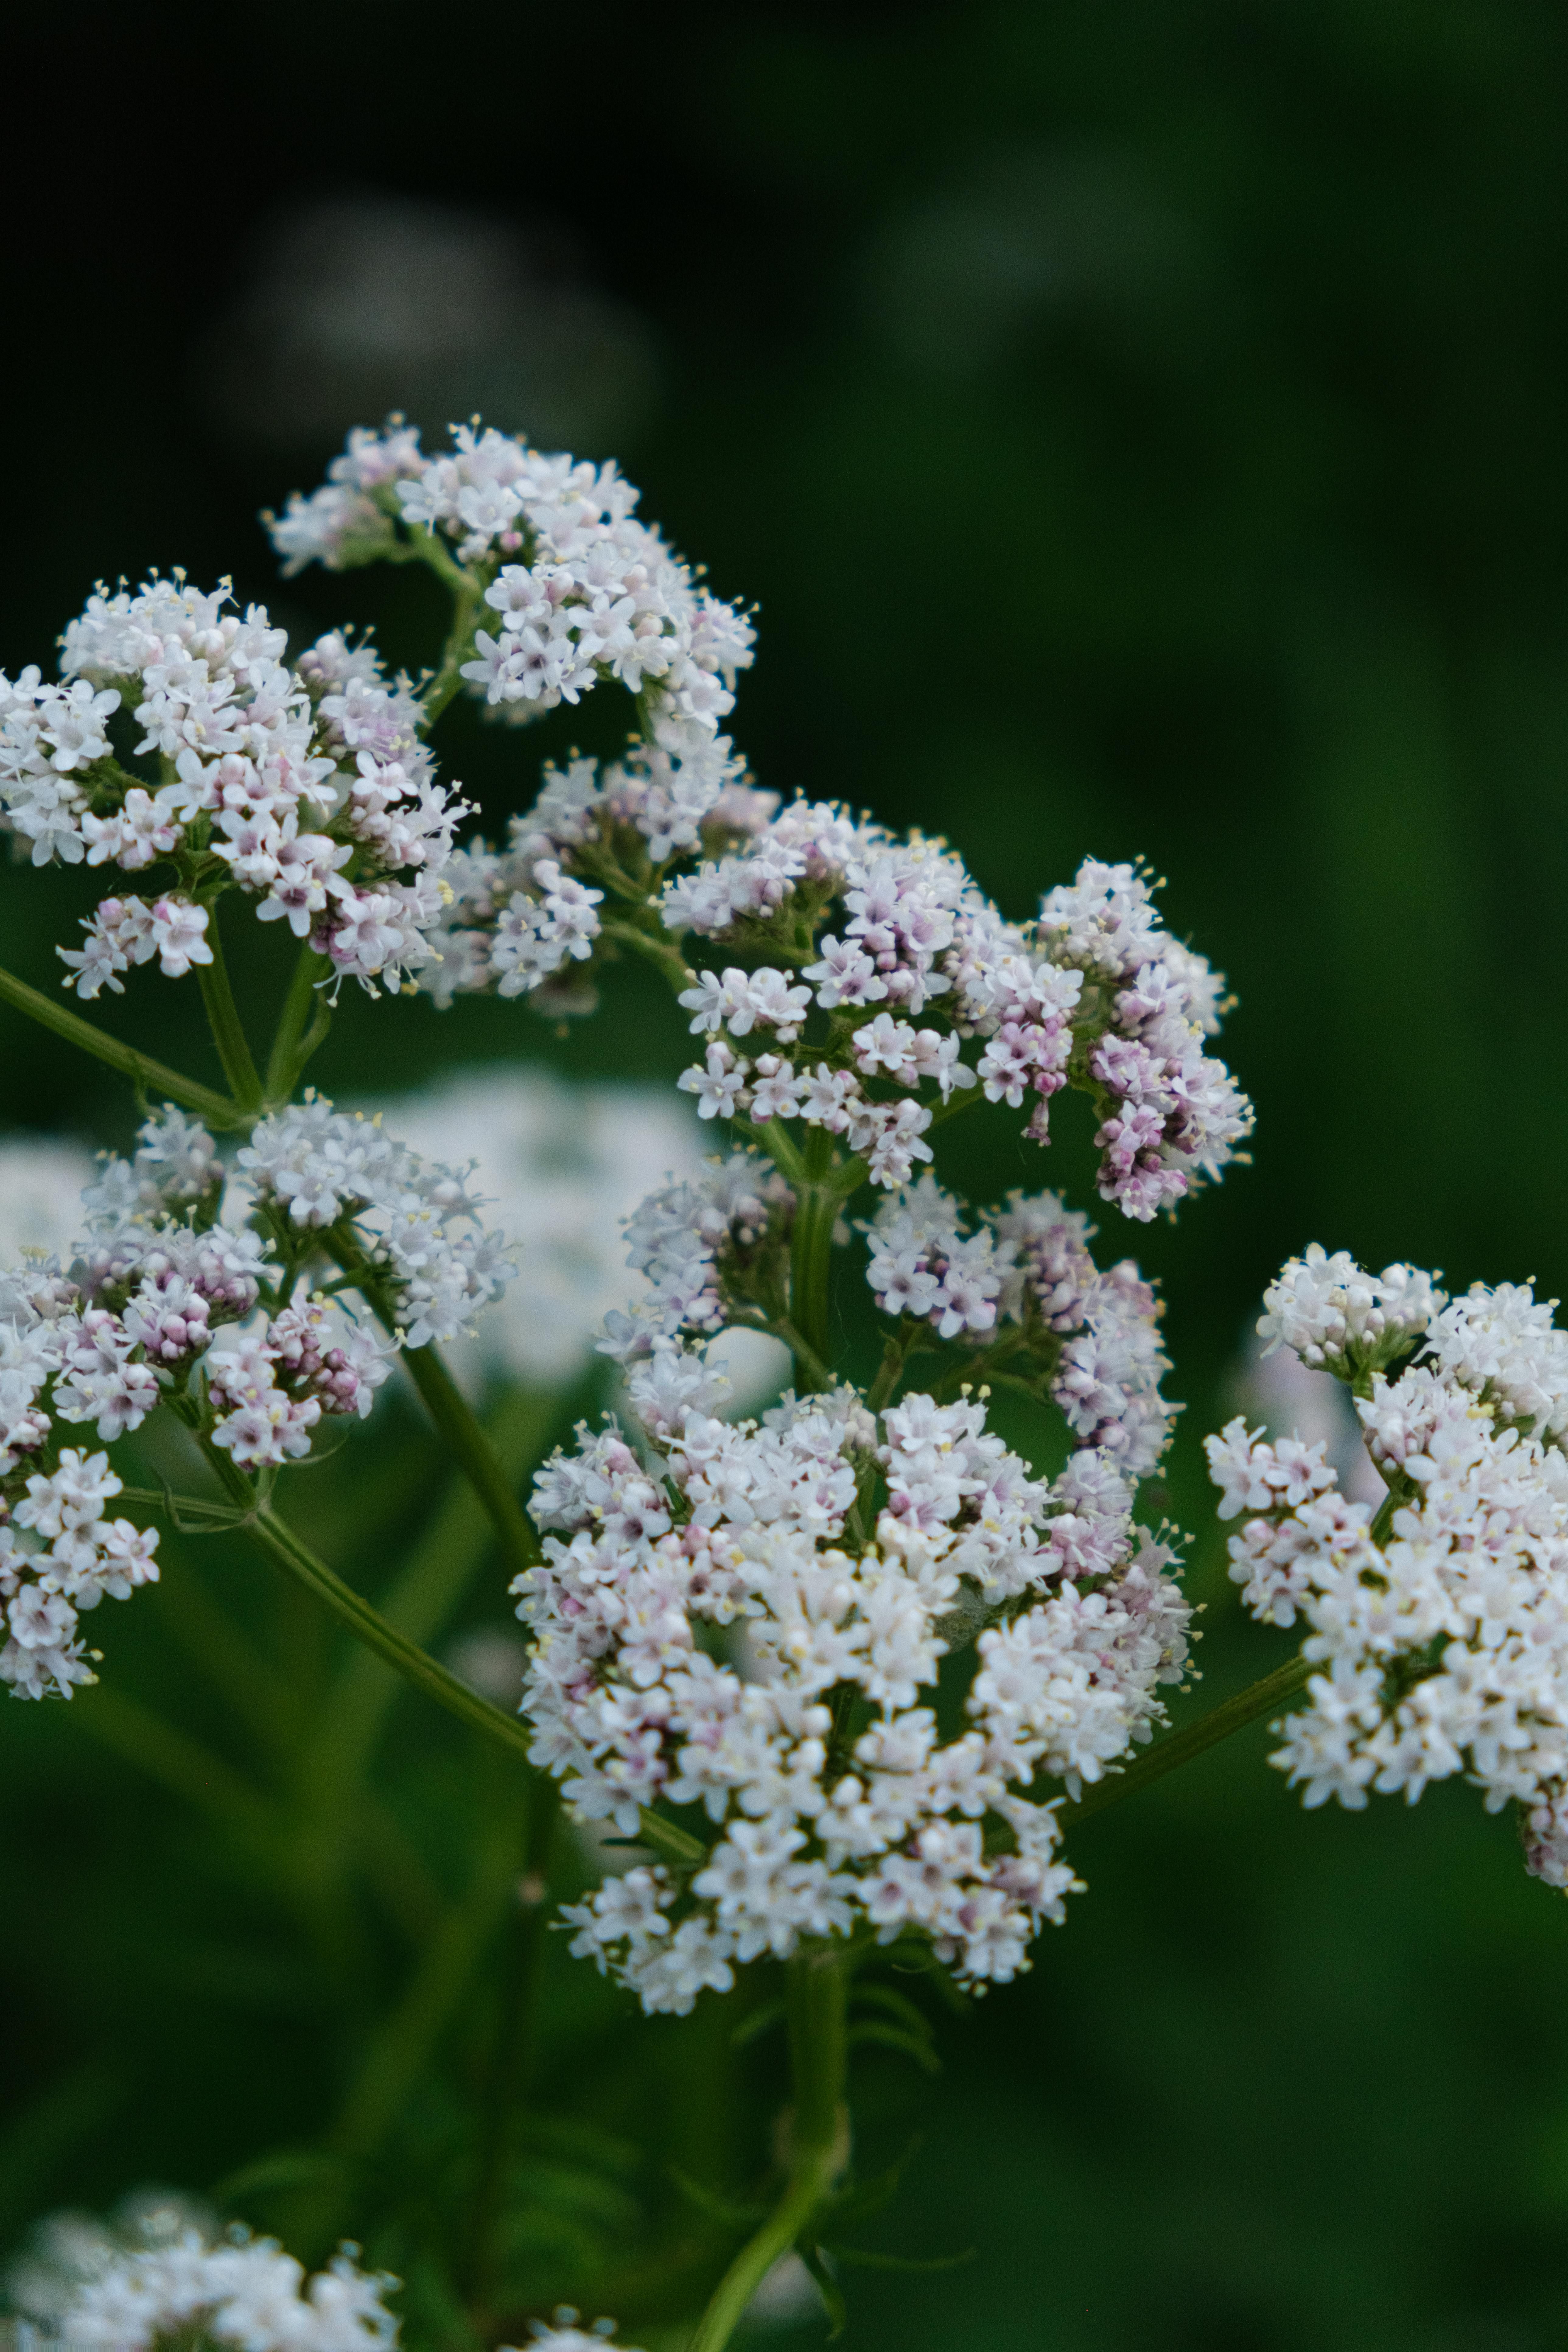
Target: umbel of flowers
(164, 2282)
(833, 1669)
(751, 1619)
(837, 972)
(1438, 1621)
(195, 1292)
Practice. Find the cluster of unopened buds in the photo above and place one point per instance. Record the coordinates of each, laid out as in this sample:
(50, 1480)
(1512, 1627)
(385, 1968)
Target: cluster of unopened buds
(187, 1288)
(1438, 1621)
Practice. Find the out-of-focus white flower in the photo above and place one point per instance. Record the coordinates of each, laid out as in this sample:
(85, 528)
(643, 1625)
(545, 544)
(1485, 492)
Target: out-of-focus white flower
(42, 1180)
(364, 302)
(158, 2278)
(563, 1167)
(1293, 1400)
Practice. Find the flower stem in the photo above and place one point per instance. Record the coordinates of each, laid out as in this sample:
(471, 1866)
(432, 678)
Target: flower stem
(660, 951)
(368, 1625)
(890, 1370)
(454, 1417)
(222, 1020)
(512, 2051)
(151, 1077)
(459, 1423)
(246, 1515)
(818, 2130)
(811, 1256)
(295, 1041)
(1168, 1755)
(810, 1372)
(465, 595)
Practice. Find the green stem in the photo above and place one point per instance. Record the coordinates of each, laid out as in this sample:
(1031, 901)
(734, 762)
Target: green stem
(402, 2047)
(454, 1417)
(222, 1020)
(659, 950)
(247, 1517)
(512, 2053)
(810, 1372)
(350, 1609)
(368, 1625)
(465, 595)
(1168, 1755)
(818, 2130)
(889, 1371)
(459, 1423)
(779, 1144)
(811, 1258)
(302, 1024)
(150, 1076)
(416, 1605)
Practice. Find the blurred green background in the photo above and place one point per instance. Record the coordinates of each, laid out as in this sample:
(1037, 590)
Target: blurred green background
(1141, 430)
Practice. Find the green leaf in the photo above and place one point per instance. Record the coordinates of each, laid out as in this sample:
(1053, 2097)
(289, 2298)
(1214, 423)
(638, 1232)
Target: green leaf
(827, 2286)
(761, 2021)
(289, 2167)
(734, 2216)
(897, 2004)
(860, 2198)
(893, 2037)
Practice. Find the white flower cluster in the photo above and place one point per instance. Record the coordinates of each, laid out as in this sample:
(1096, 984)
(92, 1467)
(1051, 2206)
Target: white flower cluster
(97, 1344)
(518, 920)
(688, 1238)
(1106, 1381)
(1173, 1116)
(713, 1625)
(1096, 1336)
(157, 2279)
(307, 787)
(828, 915)
(1126, 1020)
(891, 941)
(1441, 1623)
(58, 1555)
(248, 2294)
(1293, 1400)
(1339, 1319)
(925, 1265)
(418, 1221)
(134, 1311)
(592, 593)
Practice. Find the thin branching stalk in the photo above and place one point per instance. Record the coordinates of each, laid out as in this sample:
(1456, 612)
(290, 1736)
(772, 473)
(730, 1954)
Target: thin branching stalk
(511, 2054)
(302, 1026)
(816, 2133)
(148, 1076)
(224, 1020)
(810, 1259)
(1168, 1755)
